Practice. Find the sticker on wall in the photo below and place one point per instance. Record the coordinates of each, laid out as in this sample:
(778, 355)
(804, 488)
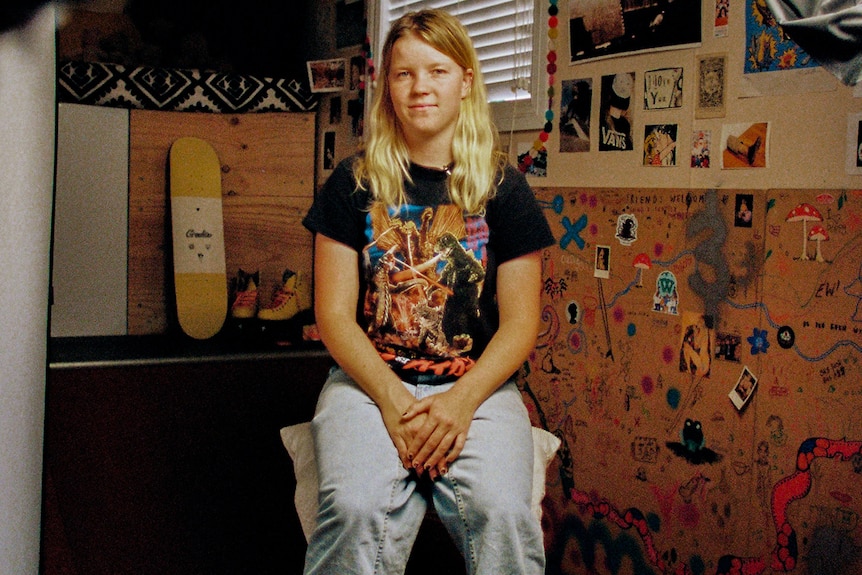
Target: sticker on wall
(745, 145)
(627, 229)
(576, 106)
(666, 298)
(663, 89)
(660, 145)
(700, 143)
(744, 388)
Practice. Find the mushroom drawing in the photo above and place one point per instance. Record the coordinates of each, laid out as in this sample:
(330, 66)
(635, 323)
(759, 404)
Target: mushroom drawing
(818, 234)
(804, 213)
(641, 262)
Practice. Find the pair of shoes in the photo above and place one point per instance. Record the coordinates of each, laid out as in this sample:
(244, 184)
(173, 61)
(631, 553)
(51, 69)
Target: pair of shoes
(292, 297)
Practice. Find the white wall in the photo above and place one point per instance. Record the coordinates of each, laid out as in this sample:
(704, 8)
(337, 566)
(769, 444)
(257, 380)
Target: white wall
(26, 179)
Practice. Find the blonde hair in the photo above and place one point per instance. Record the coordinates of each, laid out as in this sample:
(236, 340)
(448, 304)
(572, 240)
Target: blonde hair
(478, 160)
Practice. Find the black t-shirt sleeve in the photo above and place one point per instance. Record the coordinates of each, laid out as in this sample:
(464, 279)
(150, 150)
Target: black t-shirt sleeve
(339, 208)
(517, 224)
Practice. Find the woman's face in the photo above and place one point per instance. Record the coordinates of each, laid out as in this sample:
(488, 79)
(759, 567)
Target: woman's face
(426, 88)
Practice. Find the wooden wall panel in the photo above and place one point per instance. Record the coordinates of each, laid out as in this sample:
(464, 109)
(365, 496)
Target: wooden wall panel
(267, 185)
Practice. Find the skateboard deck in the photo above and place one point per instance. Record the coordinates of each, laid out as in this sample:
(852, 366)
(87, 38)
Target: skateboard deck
(200, 277)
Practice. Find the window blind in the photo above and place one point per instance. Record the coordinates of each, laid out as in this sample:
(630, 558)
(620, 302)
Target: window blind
(502, 32)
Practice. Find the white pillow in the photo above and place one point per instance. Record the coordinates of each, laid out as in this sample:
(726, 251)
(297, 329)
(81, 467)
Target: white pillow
(297, 440)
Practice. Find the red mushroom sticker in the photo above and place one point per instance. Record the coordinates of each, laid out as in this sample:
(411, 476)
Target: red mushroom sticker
(818, 234)
(804, 213)
(642, 262)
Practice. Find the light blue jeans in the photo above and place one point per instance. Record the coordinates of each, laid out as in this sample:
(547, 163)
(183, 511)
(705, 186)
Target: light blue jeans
(371, 507)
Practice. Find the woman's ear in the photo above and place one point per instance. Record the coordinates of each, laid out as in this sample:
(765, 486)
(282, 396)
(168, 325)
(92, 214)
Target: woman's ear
(467, 83)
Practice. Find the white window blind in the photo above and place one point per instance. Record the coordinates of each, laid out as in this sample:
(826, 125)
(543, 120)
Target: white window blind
(502, 32)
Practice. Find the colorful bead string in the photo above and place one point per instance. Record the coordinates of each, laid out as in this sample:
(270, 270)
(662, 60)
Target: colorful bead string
(538, 147)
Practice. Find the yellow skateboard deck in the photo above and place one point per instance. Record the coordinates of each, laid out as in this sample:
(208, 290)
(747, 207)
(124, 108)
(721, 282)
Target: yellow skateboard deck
(200, 278)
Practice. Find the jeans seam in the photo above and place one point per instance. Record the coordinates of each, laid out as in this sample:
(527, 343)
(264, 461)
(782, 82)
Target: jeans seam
(470, 548)
(385, 533)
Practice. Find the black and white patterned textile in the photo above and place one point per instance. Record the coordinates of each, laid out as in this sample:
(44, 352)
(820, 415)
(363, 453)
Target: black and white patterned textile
(178, 90)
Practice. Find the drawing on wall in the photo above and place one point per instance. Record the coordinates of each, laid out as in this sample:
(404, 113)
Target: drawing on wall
(767, 46)
(671, 451)
(663, 88)
(576, 107)
(745, 145)
(616, 112)
(700, 146)
(711, 86)
(605, 28)
(660, 144)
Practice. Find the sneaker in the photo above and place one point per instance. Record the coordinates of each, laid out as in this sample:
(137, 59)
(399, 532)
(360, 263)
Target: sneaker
(292, 298)
(244, 305)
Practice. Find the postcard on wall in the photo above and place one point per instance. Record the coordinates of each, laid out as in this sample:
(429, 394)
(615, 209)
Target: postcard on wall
(854, 144)
(326, 75)
(576, 106)
(744, 388)
(745, 145)
(606, 28)
(660, 144)
(700, 146)
(663, 89)
(615, 112)
(711, 86)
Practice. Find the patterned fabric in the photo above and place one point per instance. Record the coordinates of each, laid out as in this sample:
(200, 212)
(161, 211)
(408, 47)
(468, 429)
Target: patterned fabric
(178, 90)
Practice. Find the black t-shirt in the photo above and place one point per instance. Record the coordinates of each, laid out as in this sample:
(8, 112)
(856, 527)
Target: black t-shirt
(427, 270)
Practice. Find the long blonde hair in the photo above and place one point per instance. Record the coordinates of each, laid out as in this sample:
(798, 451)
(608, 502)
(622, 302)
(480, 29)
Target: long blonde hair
(479, 162)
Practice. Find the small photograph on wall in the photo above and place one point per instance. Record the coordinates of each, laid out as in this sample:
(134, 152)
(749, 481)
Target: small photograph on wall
(605, 28)
(743, 213)
(854, 145)
(660, 145)
(700, 147)
(615, 113)
(326, 75)
(603, 262)
(329, 151)
(711, 86)
(663, 89)
(722, 17)
(745, 145)
(335, 110)
(576, 105)
(356, 111)
(744, 388)
(357, 73)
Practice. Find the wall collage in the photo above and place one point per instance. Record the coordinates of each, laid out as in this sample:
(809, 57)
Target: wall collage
(700, 351)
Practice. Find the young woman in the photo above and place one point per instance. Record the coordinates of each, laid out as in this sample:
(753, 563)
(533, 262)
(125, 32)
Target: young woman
(427, 287)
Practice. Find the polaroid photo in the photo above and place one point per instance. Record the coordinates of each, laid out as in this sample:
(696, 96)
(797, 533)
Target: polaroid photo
(744, 388)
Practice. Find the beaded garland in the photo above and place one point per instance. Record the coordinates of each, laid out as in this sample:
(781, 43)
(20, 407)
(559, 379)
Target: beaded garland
(539, 144)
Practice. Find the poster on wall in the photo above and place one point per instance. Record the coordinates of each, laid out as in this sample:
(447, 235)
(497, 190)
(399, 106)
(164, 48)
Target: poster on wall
(606, 28)
(660, 144)
(663, 89)
(767, 46)
(745, 145)
(616, 112)
(576, 105)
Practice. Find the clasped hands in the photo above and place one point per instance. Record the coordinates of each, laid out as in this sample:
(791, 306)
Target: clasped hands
(431, 433)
